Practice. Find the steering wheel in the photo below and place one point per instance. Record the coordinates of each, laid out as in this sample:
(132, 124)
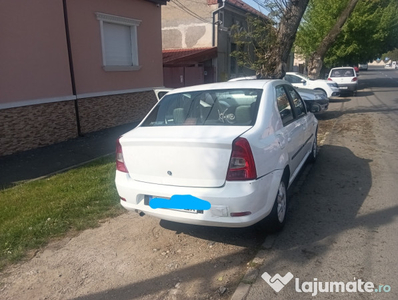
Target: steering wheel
(226, 113)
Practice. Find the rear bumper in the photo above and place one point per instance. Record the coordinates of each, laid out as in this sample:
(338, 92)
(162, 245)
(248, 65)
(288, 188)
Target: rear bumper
(256, 197)
(348, 87)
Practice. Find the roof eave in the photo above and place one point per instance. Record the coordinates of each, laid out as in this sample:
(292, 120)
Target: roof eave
(159, 2)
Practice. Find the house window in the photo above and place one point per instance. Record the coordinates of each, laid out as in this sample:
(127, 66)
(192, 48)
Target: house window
(119, 42)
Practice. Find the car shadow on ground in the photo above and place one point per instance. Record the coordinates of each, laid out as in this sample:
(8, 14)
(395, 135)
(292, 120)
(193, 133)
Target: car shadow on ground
(329, 115)
(330, 198)
(339, 99)
(326, 204)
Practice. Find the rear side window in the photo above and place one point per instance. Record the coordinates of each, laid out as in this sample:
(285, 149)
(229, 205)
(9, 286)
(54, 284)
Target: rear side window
(284, 107)
(212, 107)
(342, 73)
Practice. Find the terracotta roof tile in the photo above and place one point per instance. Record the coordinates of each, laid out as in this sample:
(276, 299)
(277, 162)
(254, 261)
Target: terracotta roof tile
(171, 56)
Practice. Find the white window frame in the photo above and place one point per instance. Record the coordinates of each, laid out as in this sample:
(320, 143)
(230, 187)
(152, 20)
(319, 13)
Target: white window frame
(133, 24)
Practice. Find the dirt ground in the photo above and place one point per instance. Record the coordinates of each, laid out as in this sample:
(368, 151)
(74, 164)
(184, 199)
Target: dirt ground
(133, 257)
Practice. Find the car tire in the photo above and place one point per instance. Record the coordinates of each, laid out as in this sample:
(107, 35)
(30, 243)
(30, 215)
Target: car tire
(277, 218)
(314, 149)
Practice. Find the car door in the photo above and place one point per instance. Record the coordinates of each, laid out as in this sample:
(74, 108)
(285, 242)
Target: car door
(302, 118)
(290, 136)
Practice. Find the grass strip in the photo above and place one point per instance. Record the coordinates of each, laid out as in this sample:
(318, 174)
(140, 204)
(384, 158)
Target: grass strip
(34, 212)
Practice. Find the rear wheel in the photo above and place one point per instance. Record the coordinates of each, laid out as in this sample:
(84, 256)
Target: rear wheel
(277, 218)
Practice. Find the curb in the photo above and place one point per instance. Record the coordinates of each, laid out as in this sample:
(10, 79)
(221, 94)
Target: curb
(253, 271)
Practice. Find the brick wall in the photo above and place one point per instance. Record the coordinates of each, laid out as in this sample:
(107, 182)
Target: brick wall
(34, 126)
(109, 111)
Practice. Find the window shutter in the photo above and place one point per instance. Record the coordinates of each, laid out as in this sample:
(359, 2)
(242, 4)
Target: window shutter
(118, 45)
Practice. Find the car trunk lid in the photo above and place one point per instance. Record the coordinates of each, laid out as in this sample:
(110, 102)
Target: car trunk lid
(192, 156)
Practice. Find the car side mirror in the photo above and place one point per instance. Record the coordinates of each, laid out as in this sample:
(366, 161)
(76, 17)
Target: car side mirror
(303, 81)
(315, 108)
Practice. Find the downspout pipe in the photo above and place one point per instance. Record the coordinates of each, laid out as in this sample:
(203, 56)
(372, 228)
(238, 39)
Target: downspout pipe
(71, 70)
(214, 22)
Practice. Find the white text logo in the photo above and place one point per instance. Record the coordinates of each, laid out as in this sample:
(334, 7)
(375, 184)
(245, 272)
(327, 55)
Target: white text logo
(277, 282)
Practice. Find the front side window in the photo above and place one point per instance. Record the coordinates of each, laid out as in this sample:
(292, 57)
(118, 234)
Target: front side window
(299, 107)
(219, 107)
(119, 42)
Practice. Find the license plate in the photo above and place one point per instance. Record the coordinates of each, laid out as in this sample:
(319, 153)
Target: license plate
(192, 211)
(148, 198)
(343, 87)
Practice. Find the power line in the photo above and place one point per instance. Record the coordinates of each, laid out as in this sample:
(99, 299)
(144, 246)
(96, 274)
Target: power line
(190, 12)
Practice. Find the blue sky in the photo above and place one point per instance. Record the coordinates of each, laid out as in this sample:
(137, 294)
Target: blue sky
(254, 5)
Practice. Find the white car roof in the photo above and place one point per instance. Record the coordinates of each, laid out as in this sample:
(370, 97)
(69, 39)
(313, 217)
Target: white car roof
(342, 68)
(244, 84)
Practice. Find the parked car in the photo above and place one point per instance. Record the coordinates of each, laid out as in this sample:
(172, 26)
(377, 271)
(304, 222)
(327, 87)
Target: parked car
(221, 154)
(314, 97)
(346, 78)
(363, 66)
(301, 81)
(311, 97)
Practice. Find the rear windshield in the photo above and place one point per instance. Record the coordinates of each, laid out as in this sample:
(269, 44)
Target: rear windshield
(219, 107)
(342, 73)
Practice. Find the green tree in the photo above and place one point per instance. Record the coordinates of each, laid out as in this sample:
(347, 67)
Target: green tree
(371, 30)
(367, 31)
(271, 39)
(315, 59)
(393, 55)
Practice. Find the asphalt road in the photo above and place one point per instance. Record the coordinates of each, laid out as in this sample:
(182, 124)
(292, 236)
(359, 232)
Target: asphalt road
(343, 223)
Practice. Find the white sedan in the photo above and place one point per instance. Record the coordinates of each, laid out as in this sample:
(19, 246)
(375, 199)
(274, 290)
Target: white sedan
(220, 154)
(298, 80)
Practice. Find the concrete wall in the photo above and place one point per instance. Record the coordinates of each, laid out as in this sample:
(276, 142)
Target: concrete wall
(180, 29)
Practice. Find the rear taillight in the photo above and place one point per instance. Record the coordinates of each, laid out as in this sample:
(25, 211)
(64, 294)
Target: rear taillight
(120, 166)
(241, 165)
(330, 79)
(354, 79)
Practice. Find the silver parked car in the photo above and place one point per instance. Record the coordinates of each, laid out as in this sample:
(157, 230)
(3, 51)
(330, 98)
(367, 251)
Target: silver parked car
(313, 98)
